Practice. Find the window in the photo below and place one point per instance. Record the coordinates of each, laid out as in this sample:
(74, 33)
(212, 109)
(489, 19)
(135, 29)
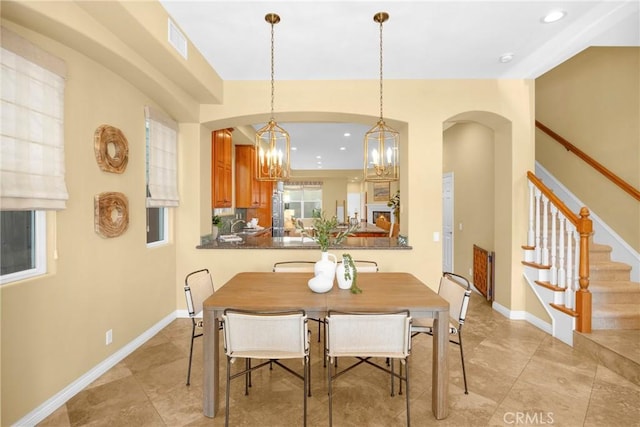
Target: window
(161, 173)
(32, 169)
(157, 225)
(305, 199)
(23, 252)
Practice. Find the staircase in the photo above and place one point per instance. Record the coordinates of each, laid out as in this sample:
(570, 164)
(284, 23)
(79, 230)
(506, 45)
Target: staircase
(560, 252)
(616, 299)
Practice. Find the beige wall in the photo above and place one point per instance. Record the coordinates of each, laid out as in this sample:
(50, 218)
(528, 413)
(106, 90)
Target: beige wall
(593, 101)
(98, 284)
(53, 327)
(418, 110)
(468, 154)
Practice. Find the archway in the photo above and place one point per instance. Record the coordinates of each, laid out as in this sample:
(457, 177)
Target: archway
(477, 147)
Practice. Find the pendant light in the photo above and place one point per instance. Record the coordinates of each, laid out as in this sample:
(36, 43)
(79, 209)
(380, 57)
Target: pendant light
(381, 141)
(272, 142)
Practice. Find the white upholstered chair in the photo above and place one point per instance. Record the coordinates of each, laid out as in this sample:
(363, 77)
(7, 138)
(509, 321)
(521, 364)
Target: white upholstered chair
(457, 291)
(366, 336)
(198, 286)
(266, 335)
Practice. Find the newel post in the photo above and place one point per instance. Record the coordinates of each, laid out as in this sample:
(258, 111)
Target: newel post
(583, 296)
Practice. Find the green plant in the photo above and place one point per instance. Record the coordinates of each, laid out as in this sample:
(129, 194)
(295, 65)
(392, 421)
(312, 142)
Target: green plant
(216, 220)
(348, 260)
(325, 231)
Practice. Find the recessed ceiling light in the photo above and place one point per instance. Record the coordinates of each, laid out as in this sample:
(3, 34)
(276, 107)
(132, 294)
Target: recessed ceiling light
(318, 157)
(294, 148)
(507, 57)
(343, 148)
(347, 134)
(553, 16)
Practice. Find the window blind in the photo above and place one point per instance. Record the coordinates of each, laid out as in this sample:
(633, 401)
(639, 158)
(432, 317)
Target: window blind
(162, 160)
(32, 168)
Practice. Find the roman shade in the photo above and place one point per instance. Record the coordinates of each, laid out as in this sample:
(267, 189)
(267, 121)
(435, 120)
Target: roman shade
(162, 159)
(32, 167)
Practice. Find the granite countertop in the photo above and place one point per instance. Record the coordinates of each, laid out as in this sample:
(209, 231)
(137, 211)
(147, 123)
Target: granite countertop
(266, 241)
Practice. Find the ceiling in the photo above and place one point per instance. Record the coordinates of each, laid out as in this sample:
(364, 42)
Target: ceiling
(433, 39)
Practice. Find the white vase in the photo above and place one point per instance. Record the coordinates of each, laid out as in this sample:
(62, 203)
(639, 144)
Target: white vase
(320, 283)
(326, 266)
(214, 232)
(340, 269)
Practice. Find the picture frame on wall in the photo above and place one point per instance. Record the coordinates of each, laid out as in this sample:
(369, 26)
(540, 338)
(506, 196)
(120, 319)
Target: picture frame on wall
(381, 191)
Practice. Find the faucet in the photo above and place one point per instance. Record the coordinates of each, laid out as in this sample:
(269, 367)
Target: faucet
(234, 223)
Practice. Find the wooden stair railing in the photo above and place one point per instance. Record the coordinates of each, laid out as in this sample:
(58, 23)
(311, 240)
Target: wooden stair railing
(584, 227)
(591, 161)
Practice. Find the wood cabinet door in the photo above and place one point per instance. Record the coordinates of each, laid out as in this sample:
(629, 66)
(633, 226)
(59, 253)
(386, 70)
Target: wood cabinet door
(244, 176)
(221, 168)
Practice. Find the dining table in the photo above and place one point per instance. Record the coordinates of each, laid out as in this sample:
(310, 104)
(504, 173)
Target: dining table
(381, 292)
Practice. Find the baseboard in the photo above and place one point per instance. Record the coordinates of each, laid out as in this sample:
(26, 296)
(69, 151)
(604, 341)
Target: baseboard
(48, 407)
(182, 314)
(523, 315)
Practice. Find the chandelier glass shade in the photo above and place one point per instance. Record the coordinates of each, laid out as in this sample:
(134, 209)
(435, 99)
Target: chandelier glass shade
(272, 153)
(272, 145)
(381, 142)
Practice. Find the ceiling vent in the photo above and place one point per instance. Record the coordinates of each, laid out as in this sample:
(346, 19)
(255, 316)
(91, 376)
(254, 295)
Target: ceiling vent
(177, 39)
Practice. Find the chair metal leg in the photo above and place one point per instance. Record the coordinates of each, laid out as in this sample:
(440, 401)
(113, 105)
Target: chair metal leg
(392, 380)
(400, 386)
(307, 385)
(407, 388)
(464, 372)
(226, 409)
(193, 336)
(247, 378)
(330, 394)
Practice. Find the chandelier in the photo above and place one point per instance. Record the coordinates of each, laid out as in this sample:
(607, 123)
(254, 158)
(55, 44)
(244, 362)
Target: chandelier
(381, 141)
(272, 142)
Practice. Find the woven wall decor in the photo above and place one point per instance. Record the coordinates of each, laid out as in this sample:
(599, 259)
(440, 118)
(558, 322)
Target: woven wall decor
(111, 149)
(111, 214)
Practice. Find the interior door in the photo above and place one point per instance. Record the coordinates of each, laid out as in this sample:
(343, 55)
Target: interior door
(447, 222)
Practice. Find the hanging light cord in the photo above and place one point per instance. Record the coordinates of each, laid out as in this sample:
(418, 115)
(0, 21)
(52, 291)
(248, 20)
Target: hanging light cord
(272, 70)
(381, 21)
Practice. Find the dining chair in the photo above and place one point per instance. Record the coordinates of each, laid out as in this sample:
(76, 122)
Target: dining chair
(198, 286)
(366, 336)
(297, 267)
(266, 335)
(457, 291)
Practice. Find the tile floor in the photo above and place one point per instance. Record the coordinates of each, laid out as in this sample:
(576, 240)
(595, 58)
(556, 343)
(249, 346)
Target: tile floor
(517, 375)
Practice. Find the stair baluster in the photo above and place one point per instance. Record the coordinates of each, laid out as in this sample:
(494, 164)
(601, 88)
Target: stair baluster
(553, 271)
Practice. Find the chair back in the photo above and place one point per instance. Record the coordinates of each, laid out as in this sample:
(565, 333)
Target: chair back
(198, 286)
(294, 267)
(457, 291)
(265, 335)
(368, 334)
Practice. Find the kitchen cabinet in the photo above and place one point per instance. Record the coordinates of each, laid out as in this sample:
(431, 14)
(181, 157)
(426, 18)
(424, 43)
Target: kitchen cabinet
(221, 175)
(250, 193)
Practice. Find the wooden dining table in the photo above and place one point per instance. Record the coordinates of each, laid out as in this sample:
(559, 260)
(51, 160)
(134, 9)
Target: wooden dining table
(267, 291)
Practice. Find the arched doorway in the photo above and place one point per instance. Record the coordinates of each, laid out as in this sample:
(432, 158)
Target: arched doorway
(476, 146)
